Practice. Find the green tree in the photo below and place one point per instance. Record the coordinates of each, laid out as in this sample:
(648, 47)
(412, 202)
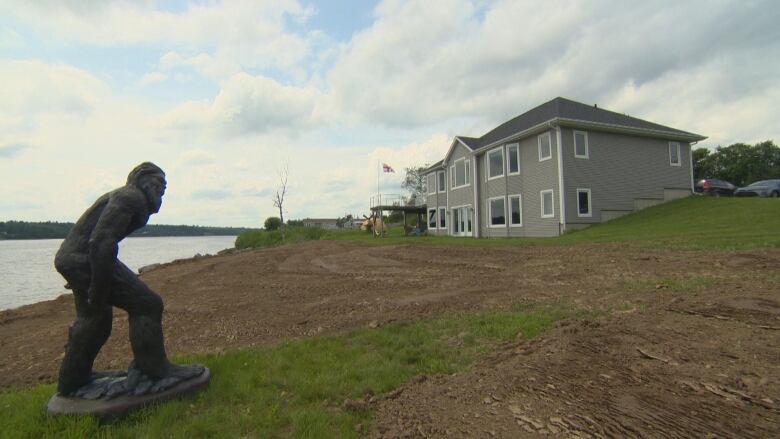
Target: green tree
(295, 223)
(740, 163)
(414, 183)
(272, 223)
(702, 163)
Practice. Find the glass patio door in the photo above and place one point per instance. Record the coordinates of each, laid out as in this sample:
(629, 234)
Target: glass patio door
(461, 221)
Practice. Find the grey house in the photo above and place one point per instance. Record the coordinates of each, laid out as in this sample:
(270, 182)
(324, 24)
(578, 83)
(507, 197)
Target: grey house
(560, 166)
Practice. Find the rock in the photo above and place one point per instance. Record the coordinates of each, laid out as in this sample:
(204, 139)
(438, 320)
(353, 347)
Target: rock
(149, 267)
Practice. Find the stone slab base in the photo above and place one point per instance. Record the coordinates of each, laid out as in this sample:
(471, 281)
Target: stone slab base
(122, 405)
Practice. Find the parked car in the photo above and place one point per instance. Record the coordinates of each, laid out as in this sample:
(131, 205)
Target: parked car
(763, 188)
(714, 187)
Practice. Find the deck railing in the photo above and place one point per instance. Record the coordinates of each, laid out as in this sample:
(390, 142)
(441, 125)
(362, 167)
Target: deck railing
(393, 200)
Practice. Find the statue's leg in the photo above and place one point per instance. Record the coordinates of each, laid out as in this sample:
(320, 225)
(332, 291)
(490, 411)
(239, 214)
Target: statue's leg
(144, 308)
(87, 335)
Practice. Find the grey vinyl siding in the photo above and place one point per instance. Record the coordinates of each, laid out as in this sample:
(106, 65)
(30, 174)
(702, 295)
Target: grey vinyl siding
(436, 200)
(534, 177)
(463, 196)
(620, 169)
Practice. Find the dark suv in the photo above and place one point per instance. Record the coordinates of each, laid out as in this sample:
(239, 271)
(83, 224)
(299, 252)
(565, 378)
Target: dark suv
(715, 187)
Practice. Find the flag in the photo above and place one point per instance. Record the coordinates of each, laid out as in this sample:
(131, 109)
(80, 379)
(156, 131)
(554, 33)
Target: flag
(387, 168)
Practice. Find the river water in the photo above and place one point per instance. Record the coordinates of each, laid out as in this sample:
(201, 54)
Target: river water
(27, 273)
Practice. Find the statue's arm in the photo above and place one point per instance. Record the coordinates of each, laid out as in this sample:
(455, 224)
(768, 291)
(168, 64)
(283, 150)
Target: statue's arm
(111, 228)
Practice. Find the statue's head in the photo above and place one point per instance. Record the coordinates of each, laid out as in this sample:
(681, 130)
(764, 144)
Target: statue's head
(151, 180)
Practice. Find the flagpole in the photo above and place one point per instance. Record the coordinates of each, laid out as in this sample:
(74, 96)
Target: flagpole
(377, 178)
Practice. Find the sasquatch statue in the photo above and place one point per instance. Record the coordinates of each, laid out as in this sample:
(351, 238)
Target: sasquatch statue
(88, 261)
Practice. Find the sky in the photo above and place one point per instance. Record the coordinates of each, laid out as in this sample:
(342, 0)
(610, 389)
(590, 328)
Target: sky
(225, 95)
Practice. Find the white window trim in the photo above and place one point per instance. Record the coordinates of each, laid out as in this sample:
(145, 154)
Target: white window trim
(500, 150)
(590, 203)
(428, 183)
(679, 156)
(587, 148)
(428, 218)
(509, 209)
(452, 177)
(517, 146)
(539, 144)
(442, 188)
(438, 218)
(552, 203)
(466, 174)
(490, 213)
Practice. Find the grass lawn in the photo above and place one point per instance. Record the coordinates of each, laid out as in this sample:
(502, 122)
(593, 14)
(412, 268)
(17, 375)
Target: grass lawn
(690, 223)
(295, 389)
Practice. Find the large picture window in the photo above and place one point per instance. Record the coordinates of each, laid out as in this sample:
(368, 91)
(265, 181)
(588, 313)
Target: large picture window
(513, 159)
(674, 153)
(545, 147)
(497, 211)
(515, 211)
(461, 174)
(431, 184)
(581, 144)
(495, 163)
(442, 218)
(442, 181)
(583, 203)
(548, 203)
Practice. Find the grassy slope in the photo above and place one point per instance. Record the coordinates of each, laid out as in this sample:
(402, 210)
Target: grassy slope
(295, 389)
(694, 222)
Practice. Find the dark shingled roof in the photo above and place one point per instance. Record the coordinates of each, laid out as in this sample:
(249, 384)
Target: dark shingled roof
(471, 142)
(565, 109)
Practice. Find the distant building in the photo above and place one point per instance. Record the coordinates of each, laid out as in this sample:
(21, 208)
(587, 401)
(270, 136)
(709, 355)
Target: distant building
(323, 223)
(560, 166)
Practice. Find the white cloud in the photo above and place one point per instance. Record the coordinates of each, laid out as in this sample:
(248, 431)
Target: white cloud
(423, 63)
(252, 33)
(152, 78)
(248, 105)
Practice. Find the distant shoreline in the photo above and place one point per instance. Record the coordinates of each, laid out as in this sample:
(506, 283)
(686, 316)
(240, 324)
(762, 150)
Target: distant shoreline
(23, 230)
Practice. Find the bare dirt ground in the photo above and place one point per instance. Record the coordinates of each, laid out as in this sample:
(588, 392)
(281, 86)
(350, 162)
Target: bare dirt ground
(690, 346)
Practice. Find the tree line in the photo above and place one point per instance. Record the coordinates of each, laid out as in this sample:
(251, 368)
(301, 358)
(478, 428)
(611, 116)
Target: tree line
(57, 230)
(739, 163)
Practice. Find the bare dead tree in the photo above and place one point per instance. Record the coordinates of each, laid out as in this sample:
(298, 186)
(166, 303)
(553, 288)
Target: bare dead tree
(278, 198)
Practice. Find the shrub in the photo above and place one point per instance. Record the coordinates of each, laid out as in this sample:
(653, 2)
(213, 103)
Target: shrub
(267, 238)
(272, 223)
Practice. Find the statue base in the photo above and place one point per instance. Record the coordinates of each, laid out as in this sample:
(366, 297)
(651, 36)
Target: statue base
(120, 405)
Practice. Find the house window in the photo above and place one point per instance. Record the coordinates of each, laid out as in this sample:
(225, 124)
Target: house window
(583, 203)
(497, 211)
(462, 173)
(495, 163)
(468, 171)
(674, 154)
(431, 184)
(548, 203)
(581, 144)
(512, 159)
(442, 218)
(515, 211)
(452, 176)
(432, 218)
(545, 147)
(442, 181)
